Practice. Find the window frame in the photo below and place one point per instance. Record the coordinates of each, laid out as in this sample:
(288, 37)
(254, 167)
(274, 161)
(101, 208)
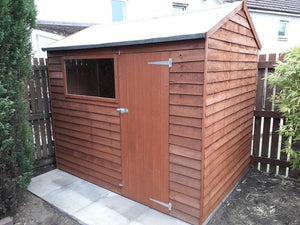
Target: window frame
(285, 36)
(180, 5)
(87, 97)
(124, 10)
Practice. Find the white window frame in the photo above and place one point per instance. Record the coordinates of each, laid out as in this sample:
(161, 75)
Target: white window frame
(124, 10)
(285, 36)
(180, 5)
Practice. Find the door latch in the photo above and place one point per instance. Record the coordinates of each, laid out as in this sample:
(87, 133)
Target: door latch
(122, 110)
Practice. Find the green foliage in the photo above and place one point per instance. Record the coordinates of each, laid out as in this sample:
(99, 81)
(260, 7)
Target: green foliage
(286, 79)
(17, 18)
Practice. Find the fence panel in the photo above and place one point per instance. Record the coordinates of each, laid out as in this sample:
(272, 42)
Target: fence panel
(267, 154)
(40, 113)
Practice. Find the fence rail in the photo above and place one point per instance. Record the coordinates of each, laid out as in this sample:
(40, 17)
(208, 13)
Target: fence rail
(40, 113)
(267, 145)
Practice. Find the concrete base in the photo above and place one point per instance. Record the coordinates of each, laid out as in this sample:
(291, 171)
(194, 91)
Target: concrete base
(6, 221)
(90, 204)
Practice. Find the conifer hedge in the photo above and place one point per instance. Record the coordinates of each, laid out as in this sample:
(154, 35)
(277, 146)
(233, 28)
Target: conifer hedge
(17, 18)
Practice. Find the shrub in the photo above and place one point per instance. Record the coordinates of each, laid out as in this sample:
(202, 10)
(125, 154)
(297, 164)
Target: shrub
(286, 79)
(17, 17)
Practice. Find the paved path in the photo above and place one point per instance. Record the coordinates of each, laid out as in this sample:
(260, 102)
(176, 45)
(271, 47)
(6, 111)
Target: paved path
(92, 205)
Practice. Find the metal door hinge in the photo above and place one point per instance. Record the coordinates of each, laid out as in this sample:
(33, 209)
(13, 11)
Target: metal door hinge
(122, 110)
(169, 205)
(169, 63)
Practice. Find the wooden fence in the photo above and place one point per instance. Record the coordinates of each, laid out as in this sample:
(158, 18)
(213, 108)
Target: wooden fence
(40, 113)
(267, 154)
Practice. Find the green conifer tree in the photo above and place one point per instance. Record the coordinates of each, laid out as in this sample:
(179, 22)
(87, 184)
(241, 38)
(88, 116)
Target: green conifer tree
(17, 18)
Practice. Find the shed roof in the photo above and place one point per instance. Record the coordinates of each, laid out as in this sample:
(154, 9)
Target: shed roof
(183, 26)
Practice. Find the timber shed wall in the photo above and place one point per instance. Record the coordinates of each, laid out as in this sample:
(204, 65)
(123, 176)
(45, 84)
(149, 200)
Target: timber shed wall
(211, 103)
(87, 133)
(230, 92)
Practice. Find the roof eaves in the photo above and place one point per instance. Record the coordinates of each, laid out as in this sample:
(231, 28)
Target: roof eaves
(126, 43)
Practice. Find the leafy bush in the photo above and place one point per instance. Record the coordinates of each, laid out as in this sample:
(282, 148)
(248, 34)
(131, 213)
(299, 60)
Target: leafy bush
(17, 17)
(286, 79)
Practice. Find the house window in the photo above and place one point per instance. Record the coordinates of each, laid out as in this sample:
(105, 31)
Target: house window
(90, 77)
(179, 7)
(282, 31)
(118, 10)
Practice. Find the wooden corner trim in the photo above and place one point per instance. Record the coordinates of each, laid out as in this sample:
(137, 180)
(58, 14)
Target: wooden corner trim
(202, 219)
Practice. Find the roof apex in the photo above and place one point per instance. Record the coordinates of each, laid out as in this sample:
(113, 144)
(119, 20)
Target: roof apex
(243, 6)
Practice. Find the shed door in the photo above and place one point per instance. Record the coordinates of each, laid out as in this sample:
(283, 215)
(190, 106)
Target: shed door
(144, 91)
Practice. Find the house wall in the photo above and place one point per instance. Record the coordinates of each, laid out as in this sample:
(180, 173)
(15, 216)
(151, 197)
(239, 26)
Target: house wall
(87, 134)
(100, 12)
(267, 25)
(74, 11)
(230, 91)
(137, 9)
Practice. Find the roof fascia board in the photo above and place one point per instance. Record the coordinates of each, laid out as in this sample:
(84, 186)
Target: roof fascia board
(245, 8)
(223, 21)
(126, 43)
(273, 12)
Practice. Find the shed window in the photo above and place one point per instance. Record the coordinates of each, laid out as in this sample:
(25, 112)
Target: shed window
(91, 77)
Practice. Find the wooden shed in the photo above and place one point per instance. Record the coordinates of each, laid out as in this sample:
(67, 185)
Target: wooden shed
(158, 110)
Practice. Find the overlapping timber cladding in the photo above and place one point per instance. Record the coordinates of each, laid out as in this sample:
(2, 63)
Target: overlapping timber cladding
(158, 110)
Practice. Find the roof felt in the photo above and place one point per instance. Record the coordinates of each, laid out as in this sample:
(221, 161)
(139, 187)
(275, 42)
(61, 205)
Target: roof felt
(183, 26)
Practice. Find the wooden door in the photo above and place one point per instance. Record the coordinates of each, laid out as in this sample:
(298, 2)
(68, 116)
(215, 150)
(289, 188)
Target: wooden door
(144, 91)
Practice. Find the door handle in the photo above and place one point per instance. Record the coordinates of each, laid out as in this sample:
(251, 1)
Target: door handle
(122, 110)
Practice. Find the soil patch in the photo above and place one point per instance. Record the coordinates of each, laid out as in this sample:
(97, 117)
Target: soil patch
(261, 199)
(35, 211)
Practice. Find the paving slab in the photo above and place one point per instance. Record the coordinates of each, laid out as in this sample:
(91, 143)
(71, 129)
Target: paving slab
(51, 181)
(6, 221)
(154, 217)
(75, 196)
(99, 214)
(126, 207)
(90, 204)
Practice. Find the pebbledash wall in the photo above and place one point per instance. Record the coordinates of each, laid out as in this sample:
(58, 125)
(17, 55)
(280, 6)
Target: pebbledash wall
(203, 115)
